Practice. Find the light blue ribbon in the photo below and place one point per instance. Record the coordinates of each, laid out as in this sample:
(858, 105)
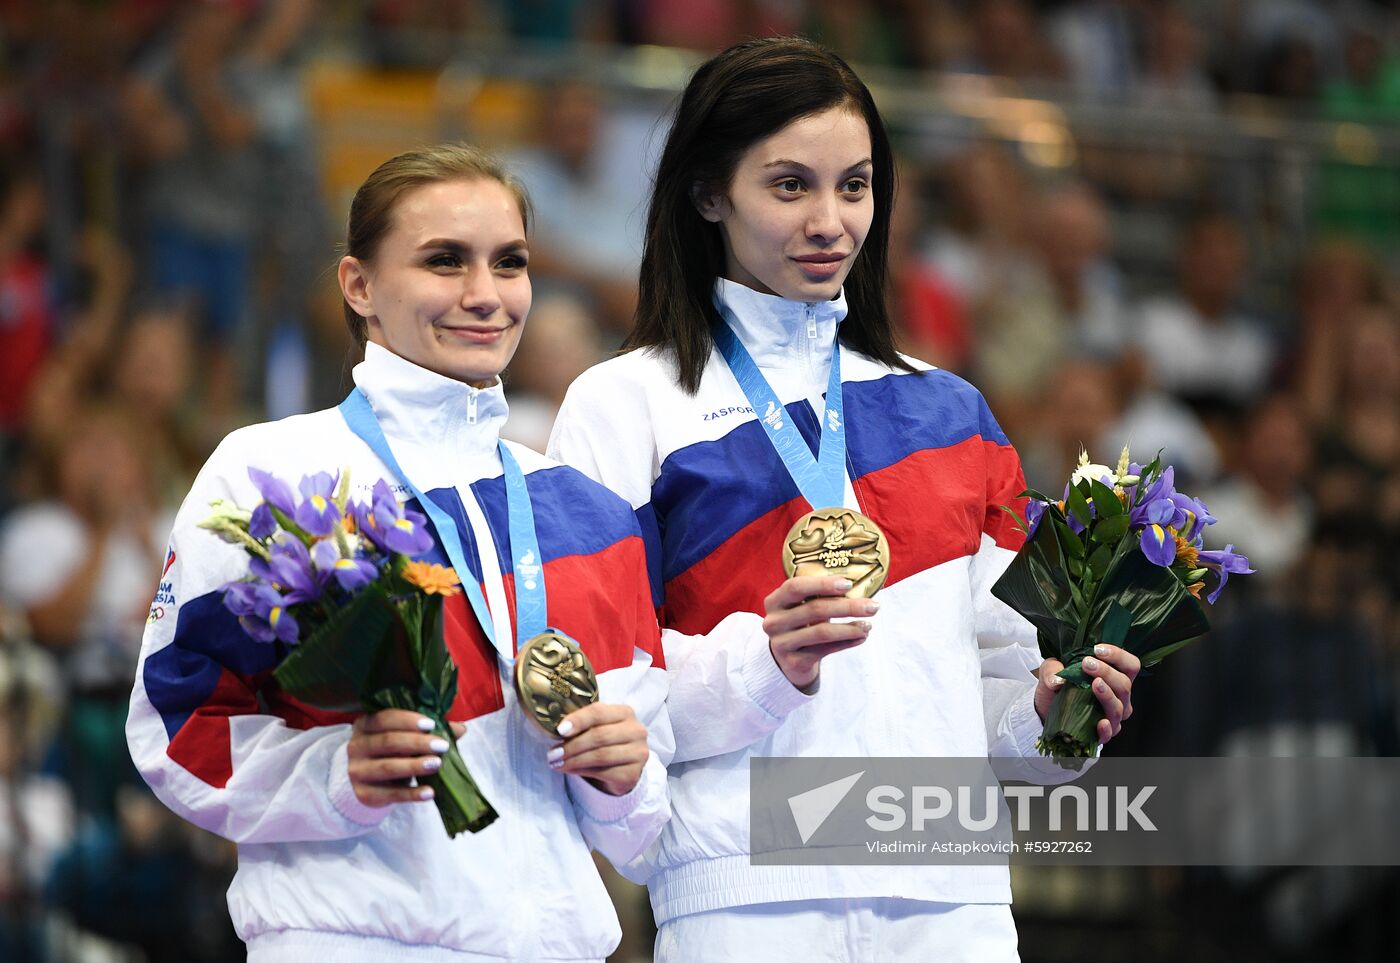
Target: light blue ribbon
(530, 603)
(821, 480)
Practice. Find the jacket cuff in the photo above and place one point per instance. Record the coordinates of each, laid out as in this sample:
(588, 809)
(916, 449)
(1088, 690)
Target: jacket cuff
(342, 793)
(1026, 727)
(770, 690)
(604, 807)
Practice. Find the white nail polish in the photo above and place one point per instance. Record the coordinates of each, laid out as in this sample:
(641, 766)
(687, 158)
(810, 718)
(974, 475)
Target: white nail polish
(425, 724)
(439, 745)
(555, 754)
(432, 764)
(426, 793)
(566, 728)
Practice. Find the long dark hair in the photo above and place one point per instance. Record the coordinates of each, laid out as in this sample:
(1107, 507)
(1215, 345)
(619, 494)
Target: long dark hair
(734, 100)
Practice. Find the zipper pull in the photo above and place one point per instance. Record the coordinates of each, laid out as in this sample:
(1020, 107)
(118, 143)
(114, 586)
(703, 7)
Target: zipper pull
(811, 322)
(471, 406)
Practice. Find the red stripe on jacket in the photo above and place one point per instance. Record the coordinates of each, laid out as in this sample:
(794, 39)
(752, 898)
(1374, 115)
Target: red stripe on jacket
(933, 506)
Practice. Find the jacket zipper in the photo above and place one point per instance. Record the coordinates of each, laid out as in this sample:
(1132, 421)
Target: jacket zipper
(471, 406)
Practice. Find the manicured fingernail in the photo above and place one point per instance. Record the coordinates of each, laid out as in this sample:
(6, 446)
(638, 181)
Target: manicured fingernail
(871, 606)
(438, 745)
(842, 584)
(1091, 663)
(1101, 650)
(556, 763)
(432, 764)
(1100, 685)
(555, 754)
(426, 793)
(1055, 682)
(565, 728)
(425, 724)
(865, 627)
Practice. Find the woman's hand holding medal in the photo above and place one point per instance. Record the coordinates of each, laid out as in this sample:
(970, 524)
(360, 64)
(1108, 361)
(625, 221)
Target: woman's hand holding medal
(798, 619)
(605, 744)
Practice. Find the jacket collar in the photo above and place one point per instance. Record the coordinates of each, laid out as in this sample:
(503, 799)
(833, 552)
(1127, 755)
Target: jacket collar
(778, 332)
(425, 408)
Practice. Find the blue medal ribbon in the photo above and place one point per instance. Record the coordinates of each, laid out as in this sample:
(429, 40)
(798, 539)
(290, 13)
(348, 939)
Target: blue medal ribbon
(821, 480)
(530, 603)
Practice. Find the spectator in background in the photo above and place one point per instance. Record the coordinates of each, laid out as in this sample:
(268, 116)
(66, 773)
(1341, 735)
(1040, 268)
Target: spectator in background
(1007, 42)
(36, 809)
(1262, 507)
(1335, 280)
(28, 316)
(1358, 188)
(81, 565)
(152, 372)
(1174, 64)
(1063, 299)
(984, 233)
(1098, 40)
(1079, 404)
(1197, 343)
(1363, 436)
(931, 314)
(1157, 418)
(189, 107)
(587, 231)
(561, 342)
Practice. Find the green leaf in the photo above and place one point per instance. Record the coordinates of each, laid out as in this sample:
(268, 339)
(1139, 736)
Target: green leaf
(1020, 523)
(1100, 559)
(285, 522)
(1037, 585)
(1069, 541)
(1109, 530)
(329, 667)
(1106, 502)
(1078, 506)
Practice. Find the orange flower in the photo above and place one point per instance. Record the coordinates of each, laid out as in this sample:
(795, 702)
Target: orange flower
(432, 579)
(1195, 589)
(1186, 552)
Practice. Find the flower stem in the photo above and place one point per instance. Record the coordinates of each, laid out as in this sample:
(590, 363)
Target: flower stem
(1071, 726)
(458, 799)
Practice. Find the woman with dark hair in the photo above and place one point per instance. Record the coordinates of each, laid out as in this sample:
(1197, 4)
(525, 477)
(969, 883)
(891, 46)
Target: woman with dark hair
(340, 856)
(762, 413)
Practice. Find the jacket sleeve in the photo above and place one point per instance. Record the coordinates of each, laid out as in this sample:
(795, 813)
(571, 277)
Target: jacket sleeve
(623, 827)
(726, 690)
(212, 742)
(1006, 642)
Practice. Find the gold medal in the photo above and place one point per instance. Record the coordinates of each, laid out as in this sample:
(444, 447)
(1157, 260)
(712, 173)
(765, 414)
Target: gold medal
(553, 677)
(839, 541)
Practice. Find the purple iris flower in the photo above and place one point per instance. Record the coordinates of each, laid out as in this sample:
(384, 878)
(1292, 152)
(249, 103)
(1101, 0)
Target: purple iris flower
(291, 568)
(318, 514)
(274, 491)
(240, 597)
(392, 527)
(261, 611)
(350, 573)
(263, 524)
(1159, 545)
(1196, 516)
(1227, 563)
(1160, 490)
(1035, 510)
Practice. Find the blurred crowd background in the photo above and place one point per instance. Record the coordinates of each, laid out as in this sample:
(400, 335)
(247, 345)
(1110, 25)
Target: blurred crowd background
(1170, 224)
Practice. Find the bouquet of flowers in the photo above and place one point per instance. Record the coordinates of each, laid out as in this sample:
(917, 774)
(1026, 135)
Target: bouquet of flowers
(1118, 559)
(338, 582)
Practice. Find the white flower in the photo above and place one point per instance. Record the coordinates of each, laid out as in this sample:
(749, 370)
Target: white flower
(1087, 471)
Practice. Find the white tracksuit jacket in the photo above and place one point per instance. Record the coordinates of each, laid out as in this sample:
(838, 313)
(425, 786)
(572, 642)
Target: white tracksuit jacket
(947, 669)
(319, 874)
